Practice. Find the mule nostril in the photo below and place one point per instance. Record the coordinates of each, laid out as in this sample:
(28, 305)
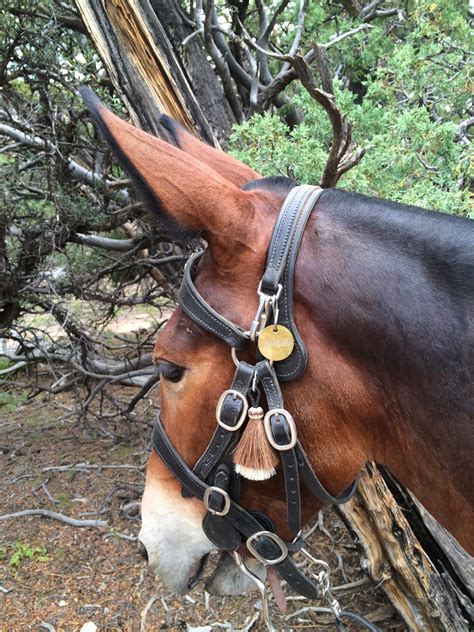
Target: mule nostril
(142, 550)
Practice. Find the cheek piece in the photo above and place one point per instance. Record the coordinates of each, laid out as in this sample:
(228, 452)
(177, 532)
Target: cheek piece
(281, 356)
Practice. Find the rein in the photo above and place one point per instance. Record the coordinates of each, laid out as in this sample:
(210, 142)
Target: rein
(281, 356)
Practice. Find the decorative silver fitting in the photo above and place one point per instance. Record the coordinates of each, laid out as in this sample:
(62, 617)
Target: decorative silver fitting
(266, 302)
(272, 536)
(291, 425)
(243, 414)
(207, 494)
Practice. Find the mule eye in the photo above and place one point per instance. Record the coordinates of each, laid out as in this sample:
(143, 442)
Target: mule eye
(169, 371)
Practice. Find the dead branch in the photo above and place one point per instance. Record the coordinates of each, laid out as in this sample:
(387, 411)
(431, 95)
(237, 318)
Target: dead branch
(343, 154)
(116, 245)
(85, 467)
(298, 33)
(78, 171)
(74, 522)
(145, 610)
(220, 64)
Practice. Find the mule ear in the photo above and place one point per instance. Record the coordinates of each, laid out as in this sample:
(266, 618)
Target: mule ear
(186, 195)
(229, 167)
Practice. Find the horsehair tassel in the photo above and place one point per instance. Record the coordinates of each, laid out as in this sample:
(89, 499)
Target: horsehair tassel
(254, 458)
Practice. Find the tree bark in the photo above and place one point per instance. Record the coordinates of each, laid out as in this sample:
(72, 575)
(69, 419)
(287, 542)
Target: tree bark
(140, 44)
(429, 583)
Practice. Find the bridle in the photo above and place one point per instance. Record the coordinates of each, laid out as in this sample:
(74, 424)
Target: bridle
(213, 479)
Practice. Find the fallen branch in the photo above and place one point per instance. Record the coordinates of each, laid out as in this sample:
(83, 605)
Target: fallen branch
(55, 516)
(84, 467)
(12, 369)
(145, 610)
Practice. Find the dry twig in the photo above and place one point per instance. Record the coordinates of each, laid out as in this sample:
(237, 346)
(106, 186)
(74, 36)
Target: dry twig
(74, 522)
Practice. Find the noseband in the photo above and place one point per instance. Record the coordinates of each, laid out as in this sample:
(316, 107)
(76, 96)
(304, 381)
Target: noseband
(213, 479)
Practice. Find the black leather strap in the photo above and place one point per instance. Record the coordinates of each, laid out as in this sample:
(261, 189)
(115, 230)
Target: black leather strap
(230, 412)
(281, 436)
(237, 518)
(290, 471)
(217, 528)
(299, 202)
(293, 366)
(275, 400)
(193, 304)
(315, 486)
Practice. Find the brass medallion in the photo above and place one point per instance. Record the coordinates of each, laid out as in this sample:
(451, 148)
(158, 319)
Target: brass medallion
(276, 342)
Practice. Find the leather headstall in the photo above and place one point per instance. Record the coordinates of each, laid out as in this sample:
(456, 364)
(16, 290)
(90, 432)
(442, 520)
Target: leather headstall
(213, 479)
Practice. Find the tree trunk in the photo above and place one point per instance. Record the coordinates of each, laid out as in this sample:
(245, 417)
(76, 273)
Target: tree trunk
(425, 574)
(140, 44)
(422, 569)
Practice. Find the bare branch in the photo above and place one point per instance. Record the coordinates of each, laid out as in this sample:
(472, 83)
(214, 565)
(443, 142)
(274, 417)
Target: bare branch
(86, 467)
(343, 154)
(12, 369)
(116, 245)
(298, 32)
(220, 63)
(55, 516)
(78, 171)
(323, 67)
(343, 36)
(461, 130)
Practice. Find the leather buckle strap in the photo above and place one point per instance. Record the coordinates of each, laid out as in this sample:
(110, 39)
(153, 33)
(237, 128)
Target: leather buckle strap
(232, 394)
(290, 426)
(208, 501)
(228, 411)
(267, 547)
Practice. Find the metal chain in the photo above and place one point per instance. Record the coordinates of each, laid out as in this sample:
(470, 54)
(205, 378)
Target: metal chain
(323, 581)
(324, 584)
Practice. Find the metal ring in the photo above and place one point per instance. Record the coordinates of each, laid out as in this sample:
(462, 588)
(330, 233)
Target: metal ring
(233, 353)
(274, 538)
(243, 414)
(291, 424)
(315, 560)
(207, 494)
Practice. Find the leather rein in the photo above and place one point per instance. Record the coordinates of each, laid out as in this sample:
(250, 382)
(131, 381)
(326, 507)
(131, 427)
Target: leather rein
(213, 479)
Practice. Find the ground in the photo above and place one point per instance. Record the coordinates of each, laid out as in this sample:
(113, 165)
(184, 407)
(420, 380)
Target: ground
(60, 577)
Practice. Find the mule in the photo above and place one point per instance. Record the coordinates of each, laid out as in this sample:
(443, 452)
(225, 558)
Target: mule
(383, 297)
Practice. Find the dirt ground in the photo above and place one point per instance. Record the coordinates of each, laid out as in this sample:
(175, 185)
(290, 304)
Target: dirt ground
(58, 577)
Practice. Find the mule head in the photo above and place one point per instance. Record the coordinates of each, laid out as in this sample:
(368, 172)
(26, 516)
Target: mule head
(194, 189)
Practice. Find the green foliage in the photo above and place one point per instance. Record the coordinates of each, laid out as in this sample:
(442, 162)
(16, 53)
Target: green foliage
(22, 552)
(65, 500)
(5, 363)
(9, 402)
(405, 89)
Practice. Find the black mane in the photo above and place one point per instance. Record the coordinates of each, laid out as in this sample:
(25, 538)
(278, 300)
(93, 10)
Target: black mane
(275, 184)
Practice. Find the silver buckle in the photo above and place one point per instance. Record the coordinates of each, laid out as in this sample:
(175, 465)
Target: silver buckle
(225, 496)
(291, 424)
(276, 539)
(243, 415)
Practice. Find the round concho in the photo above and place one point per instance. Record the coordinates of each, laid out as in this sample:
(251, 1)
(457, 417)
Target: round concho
(276, 342)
